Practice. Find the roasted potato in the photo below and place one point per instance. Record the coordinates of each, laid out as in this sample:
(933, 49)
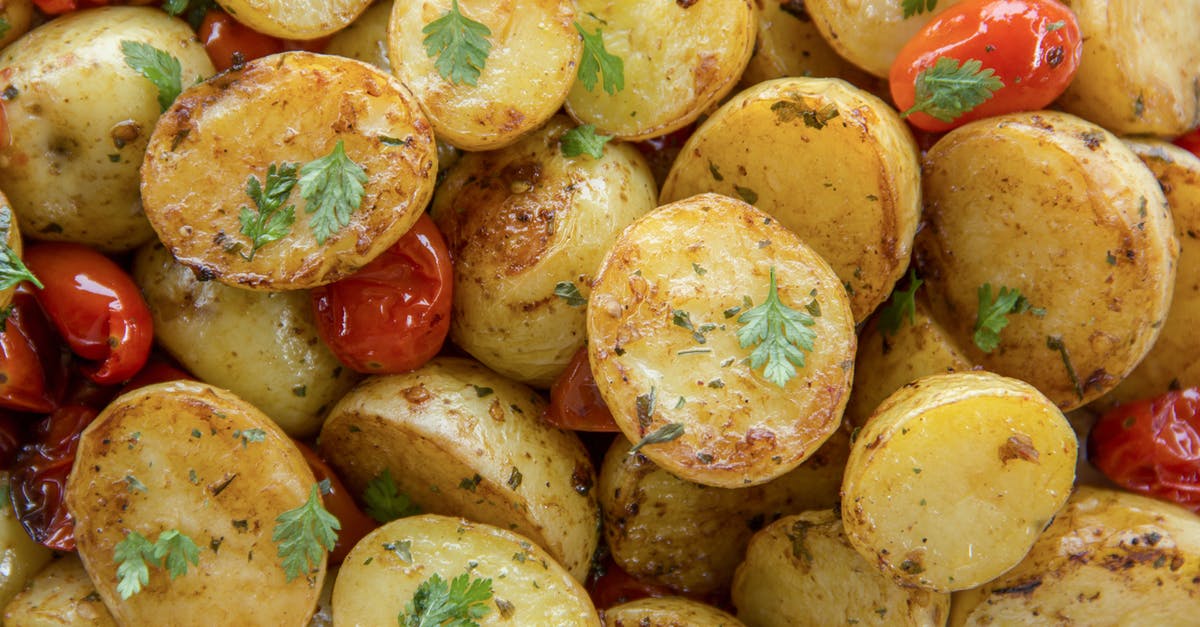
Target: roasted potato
(461, 440)
(196, 459)
(937, 492)
(516, 90)
(365, 39)
(262, 346)
(61, 594)
(1059, 209)
(242, 124)
(667, 612)
(289, 20)
(679, 59)
(789, 44)
(690, 537)
(10, 235)
(78, 122)
(801, 570)
(18, 15)
(663, 342)
(1109, 558)
(849, 186)
(1135, 77)
(20, 557)
(520, 222)
(870, 33)
(384, 572)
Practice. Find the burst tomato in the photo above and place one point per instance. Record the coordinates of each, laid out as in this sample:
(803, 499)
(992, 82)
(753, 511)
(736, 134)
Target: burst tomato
(394, 313)
(39, 485)
(575, 401)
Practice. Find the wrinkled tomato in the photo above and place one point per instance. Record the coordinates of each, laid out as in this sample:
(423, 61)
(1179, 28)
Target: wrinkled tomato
(29, 358)
(355, 524)
(39, 485)
(575, 401)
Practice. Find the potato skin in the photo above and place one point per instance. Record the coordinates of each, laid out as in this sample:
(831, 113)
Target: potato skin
(519, 221)
(789, 44)
(79, 124)
(183, 441)
(220, 132)
(18, 14)
(60, 594)
(461, 440)
(365, 39)
(1109, 558)
(667, 612)
(870, 33)
(288, 20)
(262, 346)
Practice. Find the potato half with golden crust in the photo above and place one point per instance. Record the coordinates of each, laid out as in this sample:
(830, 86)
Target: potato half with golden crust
(690, 537)
(530, 64)
(789, 44)
(519, 222)
(802, 571)
(663, 326)
(870, 33)
(60, 595)
(954, 477)
(1059, 209)
(667, 612)
(831, 162)
(289, 19)
(461, 440)
(290, 108)
(196, 459)
(79, 121)
(679, 59)
(1109, 558)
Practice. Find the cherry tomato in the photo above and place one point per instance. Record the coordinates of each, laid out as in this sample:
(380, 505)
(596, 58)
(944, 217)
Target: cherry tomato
(394, 313)
(1153, 447)
(224, 37)
(355, 524)
(96, 307)
(1034, 47)
(575, 401)
(614, 586)
(157, 370)
(1190, 142)
(39, 485)
(12, 435)
(28, 350)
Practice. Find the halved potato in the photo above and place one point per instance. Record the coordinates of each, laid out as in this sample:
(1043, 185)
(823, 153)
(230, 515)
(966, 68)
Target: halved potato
(870, 33)
(20, 557)
(954, 477)
(461, 440)
(1059, 209)
(663, 323)
(78, 119)
(1109, 558)
(849, 185)
(668, 612)
(193, 458)
(522, 220)
(365, 39)
(679, 59)
(293, 107)
(789, 44)
(531, 61)
(691, 537)
(801, 570)
(61, 594)
(288, 19)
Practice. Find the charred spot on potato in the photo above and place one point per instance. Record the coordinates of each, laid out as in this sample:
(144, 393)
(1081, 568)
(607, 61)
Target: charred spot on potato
(582, 480)
(1026, 587)
(1019, 446)
(125, 132)
(686, 4)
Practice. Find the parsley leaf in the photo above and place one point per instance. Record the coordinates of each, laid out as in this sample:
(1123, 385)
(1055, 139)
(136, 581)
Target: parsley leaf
(666, 433)
(12, 269)
(456, 605)
(160, 68)
(597, 60)
(992, 316)
(583, 140)
(460, 45)
(916, 7)
(567, 291)
(946, 91)
(303, 534)
(195, 10)
(270, 223)
(130, 555)
(902, 305)
(333, 187)
(780, 333)
(4, 26)
(384, 501)
(177, 549)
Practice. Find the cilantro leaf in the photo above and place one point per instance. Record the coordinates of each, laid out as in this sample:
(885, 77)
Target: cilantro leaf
(460, 45)
(304, 534)
(159, 67)
(583, 140)
(456, 605)
(947, 90)
(902, 305)
(992, 316)
(269, 223)
(130, 555)
(177, 549)
(597, 60)
(333, 187)
(916, 7)
(384, 501)
(666, 433)
(12, 269)
(569, 292)
(780, 333)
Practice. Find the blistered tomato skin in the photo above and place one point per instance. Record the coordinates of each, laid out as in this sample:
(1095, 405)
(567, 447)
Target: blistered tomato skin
(1153, 447)
(39, 486)
(1034, 47)
(392, 315)
(575, 401)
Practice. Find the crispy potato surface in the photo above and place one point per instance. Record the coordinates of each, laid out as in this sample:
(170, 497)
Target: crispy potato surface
(668, 612)
(289, 19)
(61, 594)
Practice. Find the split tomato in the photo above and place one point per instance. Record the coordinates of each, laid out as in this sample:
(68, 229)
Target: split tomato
(39, 485)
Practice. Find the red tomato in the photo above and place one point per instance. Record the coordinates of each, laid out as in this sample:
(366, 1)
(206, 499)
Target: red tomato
(39, 485)
(12, 435)
(614, 586)
(1190, 142)
(157, 370)
(1034, 47)
(394, 313)
(355, 524)
(28, 352)
(223, 37)
(96, 307)
(1153, 447)
(575, 401)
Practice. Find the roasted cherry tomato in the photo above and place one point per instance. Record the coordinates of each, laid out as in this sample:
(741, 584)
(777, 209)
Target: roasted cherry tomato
(96, 307)
(228, 41)
(157, 370)
(575, 401)
(611, 586)
(1032, 46)
(355, 524)
(40, 482)
(58, 7)
(28, 355)
(12, 435)
(394, 313)
(1190, 142)
(1153, 447)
